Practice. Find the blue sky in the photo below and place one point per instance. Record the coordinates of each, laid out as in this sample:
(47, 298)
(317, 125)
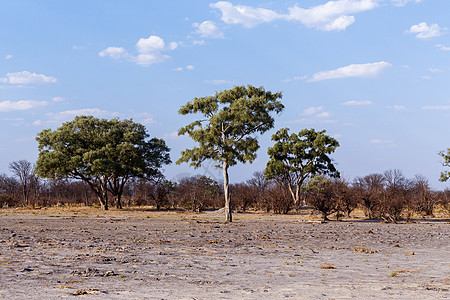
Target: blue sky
(373, 73)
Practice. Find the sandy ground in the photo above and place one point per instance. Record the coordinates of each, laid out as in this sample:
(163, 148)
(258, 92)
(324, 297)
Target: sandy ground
(149, 255)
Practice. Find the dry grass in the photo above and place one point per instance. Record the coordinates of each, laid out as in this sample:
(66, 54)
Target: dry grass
(327, 267)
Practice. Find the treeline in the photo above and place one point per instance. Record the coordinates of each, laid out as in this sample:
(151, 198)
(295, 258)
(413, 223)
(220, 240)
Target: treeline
(389, 196)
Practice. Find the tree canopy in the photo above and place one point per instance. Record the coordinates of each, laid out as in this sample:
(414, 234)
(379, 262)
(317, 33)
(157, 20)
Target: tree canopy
(226, 131)
(103, 153)
(295, 157)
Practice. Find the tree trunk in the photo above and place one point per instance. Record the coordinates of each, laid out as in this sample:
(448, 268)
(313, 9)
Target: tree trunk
(103, 197)
(228, 217)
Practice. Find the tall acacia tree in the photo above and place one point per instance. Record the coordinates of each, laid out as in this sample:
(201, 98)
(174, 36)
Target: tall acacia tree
(296, 157)
(226, 131)
(103, 153)
(445, 175)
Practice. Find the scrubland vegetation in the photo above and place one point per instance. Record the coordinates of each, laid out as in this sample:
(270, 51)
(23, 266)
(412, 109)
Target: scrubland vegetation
(388, 196)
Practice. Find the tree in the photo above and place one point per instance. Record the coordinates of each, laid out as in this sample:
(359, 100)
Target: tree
(395, 197)
(103, 153)
(370, 188)
(445, 175)
(320, 195)
(424, 200)
(226, 132)
(345, 196)
(197, 192)
(23, 170)
(161, 190)
(296, 157)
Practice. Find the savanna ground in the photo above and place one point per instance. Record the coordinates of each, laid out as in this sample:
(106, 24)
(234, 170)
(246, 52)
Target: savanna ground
(141, 254)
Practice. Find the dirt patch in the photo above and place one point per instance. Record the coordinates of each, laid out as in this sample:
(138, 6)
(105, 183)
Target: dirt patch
(149, 255)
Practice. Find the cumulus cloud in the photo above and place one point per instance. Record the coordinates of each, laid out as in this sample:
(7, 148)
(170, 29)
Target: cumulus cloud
(354, 70)
(208, 29)
(424, 31)
(245, 15)
(333, 15)
(356, 103)
(114, 53)
(435, 70)
(8, 56)
(149, 51)
(25, 77)
(8, 106)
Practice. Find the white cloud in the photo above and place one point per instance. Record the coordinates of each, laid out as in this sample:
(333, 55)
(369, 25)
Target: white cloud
(435, 70)
(442, 47)
(58, 99)
(356, 103)
(354, 70)
(70, 114)
(312, 111)
(218, 81)
(149, 51)
(316, 114)
(424, 31)
(9, 56)
(151, 44)
(426, 77)
(208, 29)
(145, 118)
(403, 2)
(397, 107)
(333, 15)
(8, 106)
(26, 77)
(245, 15)
(114, 53)
(437, 107)
(200, 42)
(188, 67)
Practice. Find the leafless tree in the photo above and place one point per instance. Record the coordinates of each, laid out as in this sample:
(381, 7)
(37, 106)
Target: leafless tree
(424, 199)
(370, 190)
(23, 170)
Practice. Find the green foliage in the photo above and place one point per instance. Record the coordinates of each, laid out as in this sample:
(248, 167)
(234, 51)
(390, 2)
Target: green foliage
(296, 157)
(100, 152)
(229, 120)
(445, 175)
